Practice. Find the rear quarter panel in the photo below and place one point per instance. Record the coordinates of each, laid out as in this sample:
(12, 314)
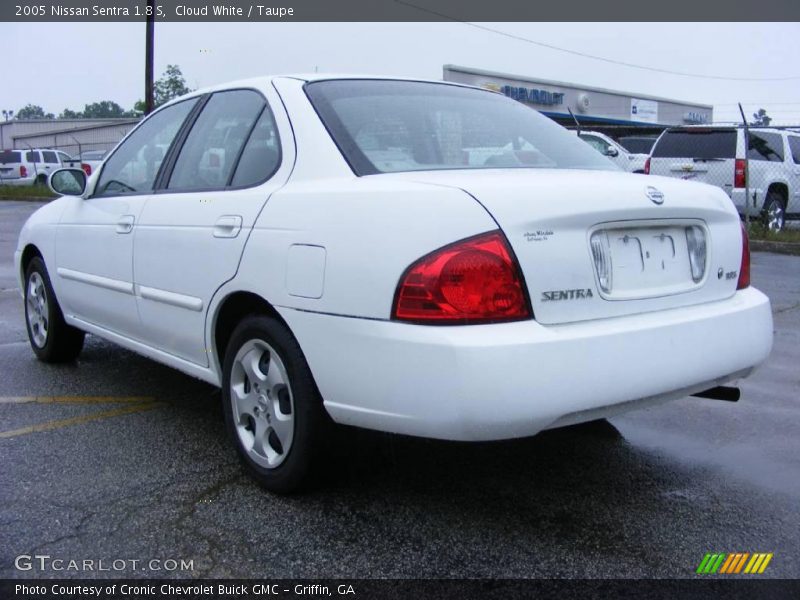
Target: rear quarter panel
(371, 230)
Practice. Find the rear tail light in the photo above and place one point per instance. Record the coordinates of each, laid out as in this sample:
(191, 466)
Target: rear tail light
(744, 268)
(601, 252)
(647, 166)
(86, 169)
(476, 280)
(696, 242)
(739, 170)
(23, 171)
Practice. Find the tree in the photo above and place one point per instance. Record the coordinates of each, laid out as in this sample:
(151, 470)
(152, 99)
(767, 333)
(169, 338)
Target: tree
(33, 111)
(70, 114)
(106, 109)
(170, 85)
(761, 118)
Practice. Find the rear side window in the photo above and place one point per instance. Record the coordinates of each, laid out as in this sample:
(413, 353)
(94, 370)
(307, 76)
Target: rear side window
(702, 144)
(134, 165)
(50, 157)
(212, 148)
(32, 157)
(261, 155)
(765, 146)
(7, 156)
(794, 146)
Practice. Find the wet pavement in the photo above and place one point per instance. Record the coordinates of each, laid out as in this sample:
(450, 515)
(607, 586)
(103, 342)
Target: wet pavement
(146, 473)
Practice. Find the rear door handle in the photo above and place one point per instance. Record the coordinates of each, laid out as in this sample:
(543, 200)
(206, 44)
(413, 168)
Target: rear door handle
(125, 224)
(228, 226)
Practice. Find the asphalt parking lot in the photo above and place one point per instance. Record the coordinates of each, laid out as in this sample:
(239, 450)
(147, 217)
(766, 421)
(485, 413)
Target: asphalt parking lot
(131, 462)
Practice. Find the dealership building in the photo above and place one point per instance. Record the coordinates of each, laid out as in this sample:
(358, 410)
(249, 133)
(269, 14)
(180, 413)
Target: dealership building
(613, 112)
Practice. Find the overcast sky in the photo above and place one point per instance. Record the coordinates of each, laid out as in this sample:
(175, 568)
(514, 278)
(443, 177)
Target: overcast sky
(69, 65)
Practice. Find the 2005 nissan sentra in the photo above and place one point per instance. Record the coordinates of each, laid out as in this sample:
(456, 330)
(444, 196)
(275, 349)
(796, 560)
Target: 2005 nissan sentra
(407, 256)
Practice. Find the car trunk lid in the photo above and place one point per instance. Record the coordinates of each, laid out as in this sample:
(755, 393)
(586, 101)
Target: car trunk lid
(569, 229)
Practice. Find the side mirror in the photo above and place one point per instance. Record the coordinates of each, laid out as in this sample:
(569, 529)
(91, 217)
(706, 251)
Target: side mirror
(68, 182)
(611, 151)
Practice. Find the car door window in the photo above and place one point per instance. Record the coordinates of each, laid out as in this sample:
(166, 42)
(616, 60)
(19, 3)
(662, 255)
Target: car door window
(33, 157)
(261, 155)
(765, 146)
(596, 143)
(794, 146)
(133, 167)
(212, 148)
(50, 157)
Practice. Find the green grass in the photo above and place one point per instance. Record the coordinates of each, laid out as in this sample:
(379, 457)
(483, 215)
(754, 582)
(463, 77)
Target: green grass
(24, 192)
(759, 232)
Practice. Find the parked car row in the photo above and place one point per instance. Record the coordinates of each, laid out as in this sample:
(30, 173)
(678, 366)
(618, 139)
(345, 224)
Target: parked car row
(761, 176)
(32, 166)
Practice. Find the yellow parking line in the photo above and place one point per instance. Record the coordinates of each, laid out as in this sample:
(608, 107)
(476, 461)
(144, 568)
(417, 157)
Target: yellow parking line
(50, 425)
(73, 399)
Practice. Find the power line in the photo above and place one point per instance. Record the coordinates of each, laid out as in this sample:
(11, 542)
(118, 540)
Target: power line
(592, 56)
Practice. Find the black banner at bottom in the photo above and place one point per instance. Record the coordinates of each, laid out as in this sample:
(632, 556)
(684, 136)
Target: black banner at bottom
(388, 589)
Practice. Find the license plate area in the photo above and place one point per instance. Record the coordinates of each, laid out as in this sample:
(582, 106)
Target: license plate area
(646, 260)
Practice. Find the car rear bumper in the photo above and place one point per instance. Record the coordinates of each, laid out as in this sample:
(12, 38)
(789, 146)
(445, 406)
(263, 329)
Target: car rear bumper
(19, 181)
(487, 382)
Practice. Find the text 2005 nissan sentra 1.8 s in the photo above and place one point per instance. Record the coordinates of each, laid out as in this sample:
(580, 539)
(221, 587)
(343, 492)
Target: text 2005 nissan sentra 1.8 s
(406, 256)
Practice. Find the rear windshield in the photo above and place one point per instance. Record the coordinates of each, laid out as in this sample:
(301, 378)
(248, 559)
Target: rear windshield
(389, 126)
(6, 156)
(696, 144)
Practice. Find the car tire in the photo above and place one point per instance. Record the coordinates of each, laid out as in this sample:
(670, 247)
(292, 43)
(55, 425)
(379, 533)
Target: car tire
(774, 213)
(52, 340)
(273, 410)
(40, 180)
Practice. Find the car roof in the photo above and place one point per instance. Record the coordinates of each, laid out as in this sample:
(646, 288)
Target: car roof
(313, 77)
(726, 126)
(30, 150)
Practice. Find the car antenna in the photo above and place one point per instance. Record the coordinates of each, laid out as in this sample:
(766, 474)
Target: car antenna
(574, 118)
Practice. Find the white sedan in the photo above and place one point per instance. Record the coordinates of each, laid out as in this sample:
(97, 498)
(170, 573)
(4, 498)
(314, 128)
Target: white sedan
(407, 256)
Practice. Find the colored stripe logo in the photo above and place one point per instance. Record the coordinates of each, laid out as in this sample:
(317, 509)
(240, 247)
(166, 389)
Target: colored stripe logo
(734, 563)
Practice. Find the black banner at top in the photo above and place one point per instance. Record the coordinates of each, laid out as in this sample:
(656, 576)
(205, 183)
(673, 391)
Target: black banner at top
(397, 10)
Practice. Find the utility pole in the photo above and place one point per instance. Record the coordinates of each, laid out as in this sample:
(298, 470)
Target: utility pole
(148, 57)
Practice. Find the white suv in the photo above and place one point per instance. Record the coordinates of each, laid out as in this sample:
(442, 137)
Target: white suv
(614, 151)
(408, 256)
(30, 166)
(717, 155)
